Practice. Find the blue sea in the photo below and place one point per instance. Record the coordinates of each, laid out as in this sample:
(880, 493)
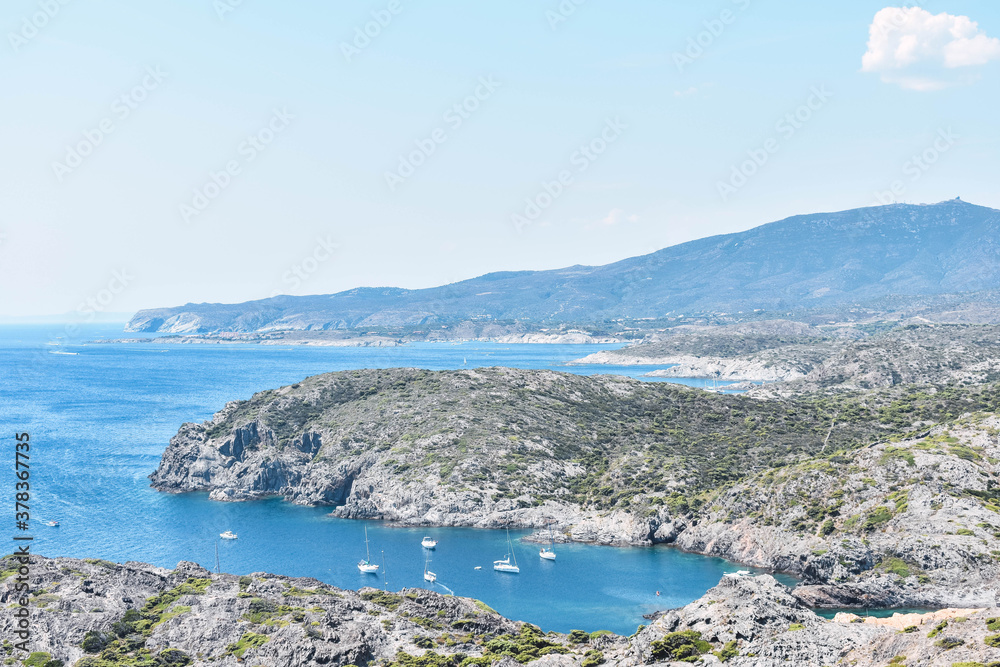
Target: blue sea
(100, 416)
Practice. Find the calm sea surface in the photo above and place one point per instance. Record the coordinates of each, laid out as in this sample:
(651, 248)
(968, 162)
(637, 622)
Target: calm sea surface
(100, 417)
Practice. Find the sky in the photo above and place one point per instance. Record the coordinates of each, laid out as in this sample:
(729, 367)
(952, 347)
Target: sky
(166, 152)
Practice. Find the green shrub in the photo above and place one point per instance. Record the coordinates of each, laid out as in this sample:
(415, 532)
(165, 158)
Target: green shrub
(172, 657)
(876, 517)
(895, 566)
(94, 642)
(992, 640)
(730, 650)
(592, 658)
(948, 643)
(37, 659)
(383, 599)
(249, 641)
(684, 646)
(938, 629)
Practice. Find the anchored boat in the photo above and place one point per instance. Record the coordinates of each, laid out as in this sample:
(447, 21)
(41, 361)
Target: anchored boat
(428, 575)
(505, 565)
(548, 554)
(366, 565)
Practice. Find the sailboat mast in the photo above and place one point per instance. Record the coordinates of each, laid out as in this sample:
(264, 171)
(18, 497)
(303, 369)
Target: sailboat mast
(510, 546)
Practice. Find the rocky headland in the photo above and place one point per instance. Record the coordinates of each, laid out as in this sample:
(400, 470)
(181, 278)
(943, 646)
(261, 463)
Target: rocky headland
(804, 359)
(94, 613)
(872, 502)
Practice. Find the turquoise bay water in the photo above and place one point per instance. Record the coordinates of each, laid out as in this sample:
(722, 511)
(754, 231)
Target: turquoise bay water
(100, 416)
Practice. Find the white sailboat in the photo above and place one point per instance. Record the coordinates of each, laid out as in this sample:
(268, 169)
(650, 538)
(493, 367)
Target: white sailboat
(366, 565)
(428, 543)
(228, 535)
(428, 575)
(505, 565)
(548, 554)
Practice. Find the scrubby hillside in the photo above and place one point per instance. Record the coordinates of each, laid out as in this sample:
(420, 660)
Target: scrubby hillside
(912, 521)
(471, 446)
(811, 359)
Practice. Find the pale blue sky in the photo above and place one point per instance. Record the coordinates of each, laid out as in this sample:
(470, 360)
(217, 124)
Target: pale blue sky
(679, 131)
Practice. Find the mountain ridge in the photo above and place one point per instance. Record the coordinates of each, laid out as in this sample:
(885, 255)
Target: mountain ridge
(805, 261)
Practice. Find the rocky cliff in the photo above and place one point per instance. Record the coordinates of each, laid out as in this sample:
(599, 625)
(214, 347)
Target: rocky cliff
(92, 613)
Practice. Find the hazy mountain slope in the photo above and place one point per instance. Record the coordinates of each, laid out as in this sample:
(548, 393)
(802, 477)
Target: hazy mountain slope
(806, 261)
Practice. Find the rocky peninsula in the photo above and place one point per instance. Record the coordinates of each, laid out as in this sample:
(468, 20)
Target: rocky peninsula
(884, 501)
(94, 613)
(804, 358)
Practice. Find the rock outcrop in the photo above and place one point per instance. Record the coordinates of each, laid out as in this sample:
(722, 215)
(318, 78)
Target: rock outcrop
(93, 613)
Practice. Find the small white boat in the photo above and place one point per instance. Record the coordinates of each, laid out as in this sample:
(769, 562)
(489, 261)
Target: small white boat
(428, 575)
(548, 554)
(367, 566)
(54, 524)
(428, 543)
(478, 567)
(737, 574)
(228, 535)
(505, 565)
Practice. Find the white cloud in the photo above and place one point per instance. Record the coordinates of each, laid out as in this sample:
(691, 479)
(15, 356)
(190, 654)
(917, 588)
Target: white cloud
(615, 217)
(917, 50)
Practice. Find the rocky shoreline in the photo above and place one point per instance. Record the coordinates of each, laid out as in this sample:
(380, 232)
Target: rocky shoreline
(905, 522)
(94, 613)
(361, 340)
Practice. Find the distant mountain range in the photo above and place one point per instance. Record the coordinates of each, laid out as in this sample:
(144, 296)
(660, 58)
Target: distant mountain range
(805, 262)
